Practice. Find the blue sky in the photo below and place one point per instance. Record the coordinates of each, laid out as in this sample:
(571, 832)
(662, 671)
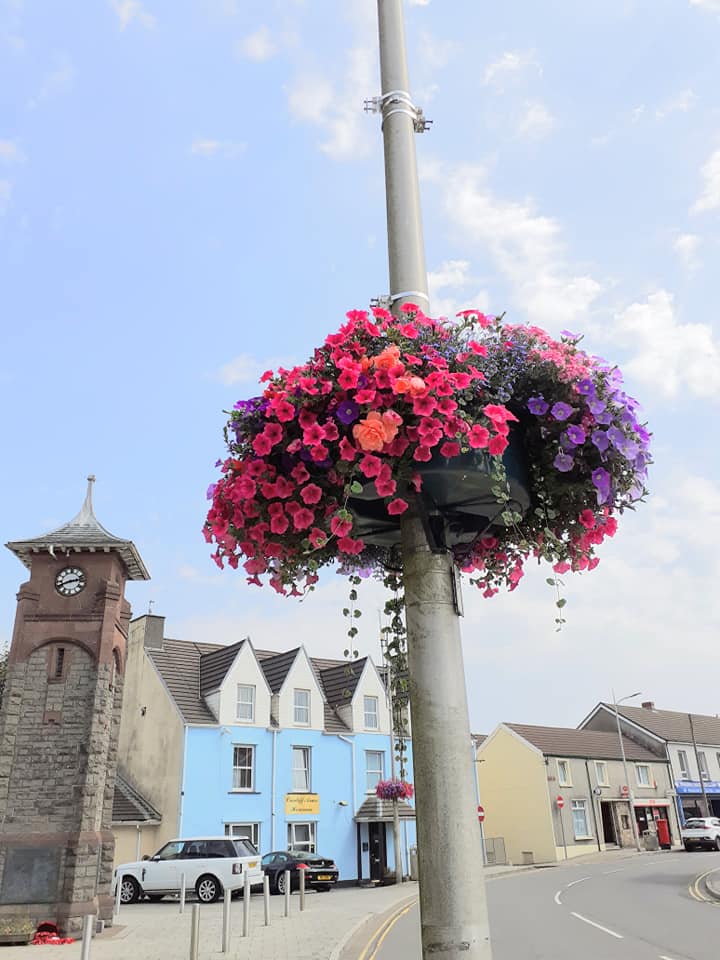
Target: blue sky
(190, 192)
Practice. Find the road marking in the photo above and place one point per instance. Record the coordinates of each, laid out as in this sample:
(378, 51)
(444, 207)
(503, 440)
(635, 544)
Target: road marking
(694, 888)
(375, 942)
(663, 957)
(557, 898)
(618, 936)
(572, 884)
(608, 872)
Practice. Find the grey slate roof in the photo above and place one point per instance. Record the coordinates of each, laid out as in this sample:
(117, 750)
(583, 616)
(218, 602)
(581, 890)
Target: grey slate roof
(277, 667)
(82, 533)
(375, 810)
(673, 725)
(340, 680)
(129, 806)
(215, 665)
(191, 670)
(585, 744)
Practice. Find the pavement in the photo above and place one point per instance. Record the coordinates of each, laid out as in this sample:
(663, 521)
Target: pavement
(333, 926)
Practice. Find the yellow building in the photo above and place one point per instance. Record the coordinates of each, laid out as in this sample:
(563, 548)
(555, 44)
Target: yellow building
(551, 793)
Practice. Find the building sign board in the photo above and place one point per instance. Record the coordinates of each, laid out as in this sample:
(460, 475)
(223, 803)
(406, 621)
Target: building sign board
(302, 804)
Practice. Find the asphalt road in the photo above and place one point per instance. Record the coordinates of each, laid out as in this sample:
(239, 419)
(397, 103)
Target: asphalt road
(636, 909)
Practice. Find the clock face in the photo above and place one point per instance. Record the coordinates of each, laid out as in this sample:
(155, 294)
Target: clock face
(70, 581)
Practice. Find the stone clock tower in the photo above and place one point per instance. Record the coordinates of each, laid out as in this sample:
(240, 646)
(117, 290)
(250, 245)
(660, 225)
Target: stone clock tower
(59, 722)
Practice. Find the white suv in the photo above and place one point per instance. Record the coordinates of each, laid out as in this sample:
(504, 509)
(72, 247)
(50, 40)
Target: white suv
(210, 866)
(701, 832)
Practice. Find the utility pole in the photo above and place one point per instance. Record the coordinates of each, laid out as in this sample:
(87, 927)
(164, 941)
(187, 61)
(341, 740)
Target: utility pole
(453, 908)
(631, 796)
(706, 805)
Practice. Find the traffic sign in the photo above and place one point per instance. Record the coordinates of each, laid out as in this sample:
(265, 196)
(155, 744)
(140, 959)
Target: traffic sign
(560, 802)
(481, 814)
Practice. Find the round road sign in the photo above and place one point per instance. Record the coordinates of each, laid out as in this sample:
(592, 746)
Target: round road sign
(560, 803)
(481, 814)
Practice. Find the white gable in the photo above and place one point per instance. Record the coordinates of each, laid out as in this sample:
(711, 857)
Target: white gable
(301, 677)
(370, 685)
(246, 671)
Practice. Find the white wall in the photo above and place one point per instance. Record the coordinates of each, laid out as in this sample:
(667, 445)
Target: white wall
(245, 670)
(370, 685)
(301, 677)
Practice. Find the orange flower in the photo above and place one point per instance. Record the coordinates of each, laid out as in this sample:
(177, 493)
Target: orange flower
(376, 430)
(412, 385)
(389, 358)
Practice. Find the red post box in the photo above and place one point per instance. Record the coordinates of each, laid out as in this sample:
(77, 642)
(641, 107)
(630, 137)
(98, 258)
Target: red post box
(663, 832)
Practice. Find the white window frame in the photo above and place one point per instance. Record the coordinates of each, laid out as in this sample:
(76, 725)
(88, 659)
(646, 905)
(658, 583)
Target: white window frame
(303, 846)
(374, 774)
(703, 768)
(640, 782)
(684, 765)
(303, 785)
(602, 781)
(243, 702)
(238, 768)
(249, 830)
(575, 807)
(371, 717)
(561, 781)
(301, 711)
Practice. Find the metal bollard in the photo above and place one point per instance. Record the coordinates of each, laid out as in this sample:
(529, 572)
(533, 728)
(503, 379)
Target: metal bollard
(227, 900)
(195, 931)
(287, 893)
(87, 932)
(246, 905)
(118, 892)
(266, 898)
(183, 891)
(302, 888)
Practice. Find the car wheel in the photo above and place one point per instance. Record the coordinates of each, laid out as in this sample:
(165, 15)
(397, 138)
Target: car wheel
(688, 847)
(208, 888)
(717, 843)
(280, 882)
(129, 890)
(154, 897)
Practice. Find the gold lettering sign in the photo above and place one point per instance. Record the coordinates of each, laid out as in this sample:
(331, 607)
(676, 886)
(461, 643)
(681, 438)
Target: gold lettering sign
(302, 803)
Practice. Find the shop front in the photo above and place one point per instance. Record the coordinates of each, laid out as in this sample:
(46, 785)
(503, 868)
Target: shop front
(375, 847)
(691, 802)
(653, 818)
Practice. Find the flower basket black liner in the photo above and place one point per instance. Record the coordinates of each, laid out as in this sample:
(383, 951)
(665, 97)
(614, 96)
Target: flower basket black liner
(458, 489)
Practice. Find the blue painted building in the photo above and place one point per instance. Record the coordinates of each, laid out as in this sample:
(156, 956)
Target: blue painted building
(280, 747)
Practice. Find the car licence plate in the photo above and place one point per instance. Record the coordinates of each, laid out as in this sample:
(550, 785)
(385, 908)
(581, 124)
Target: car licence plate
(253, 863)
(324, 876)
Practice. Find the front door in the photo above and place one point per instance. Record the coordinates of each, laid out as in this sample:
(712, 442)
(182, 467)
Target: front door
(608, 822)
(378, 858)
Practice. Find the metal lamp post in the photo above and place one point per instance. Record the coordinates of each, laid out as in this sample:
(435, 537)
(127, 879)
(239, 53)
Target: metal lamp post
(631, 795)
(453, 909)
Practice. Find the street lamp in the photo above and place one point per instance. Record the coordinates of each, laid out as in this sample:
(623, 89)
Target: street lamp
(631, 796)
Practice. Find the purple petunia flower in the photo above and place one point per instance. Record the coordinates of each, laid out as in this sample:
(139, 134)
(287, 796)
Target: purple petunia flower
(596, 407)
(211, 491)
(605, 417)
(563, 462)
(538, 405)
(601, 481)
(561, 411)
(587, 388)
(629, 449)
(600, 439)
(347, 412)
(575, 435)
(616, 437)
(570, 336)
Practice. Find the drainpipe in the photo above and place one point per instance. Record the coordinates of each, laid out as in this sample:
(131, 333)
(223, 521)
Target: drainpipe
(352, 745)
(274, 731)
(181, 797)
(592, 804)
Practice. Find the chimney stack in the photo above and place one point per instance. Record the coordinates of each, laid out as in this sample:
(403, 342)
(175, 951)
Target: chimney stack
(648, 705)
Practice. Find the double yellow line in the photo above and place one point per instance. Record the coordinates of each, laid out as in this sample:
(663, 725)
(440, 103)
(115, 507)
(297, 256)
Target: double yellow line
(695, 891)
(376, 941)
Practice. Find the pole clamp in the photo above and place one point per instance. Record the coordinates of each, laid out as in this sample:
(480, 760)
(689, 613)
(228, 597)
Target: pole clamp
(398, 101)
(386, 300)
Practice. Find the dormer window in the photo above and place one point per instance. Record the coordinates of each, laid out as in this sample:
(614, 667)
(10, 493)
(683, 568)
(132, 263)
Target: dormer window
(245, 709)
(302, 707)
(370, 705)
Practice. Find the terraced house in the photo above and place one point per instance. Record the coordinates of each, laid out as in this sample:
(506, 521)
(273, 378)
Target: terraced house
(276, 746)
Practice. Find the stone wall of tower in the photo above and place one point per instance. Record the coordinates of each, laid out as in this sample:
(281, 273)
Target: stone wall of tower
(59, 728)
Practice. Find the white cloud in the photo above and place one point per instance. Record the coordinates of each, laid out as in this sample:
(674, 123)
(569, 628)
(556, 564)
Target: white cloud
(686, 246)
(204, 147)
(454, 275)
(435, 52)
(257, 46)
(536, 121)
(671, 356)
(57, 83)
(5, 194)
(337, 110)
(710, 198)
(129, 10)
(680, 103)
(526, 246)
(247, 369)
(10, 152)
(509, 65)
(713, 6)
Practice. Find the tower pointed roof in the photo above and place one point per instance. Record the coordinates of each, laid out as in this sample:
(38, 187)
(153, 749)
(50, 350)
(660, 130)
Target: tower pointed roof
(83, 533)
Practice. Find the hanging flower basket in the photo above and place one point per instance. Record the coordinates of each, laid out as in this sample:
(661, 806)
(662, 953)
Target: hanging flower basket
(394, 790)
(519, 445)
